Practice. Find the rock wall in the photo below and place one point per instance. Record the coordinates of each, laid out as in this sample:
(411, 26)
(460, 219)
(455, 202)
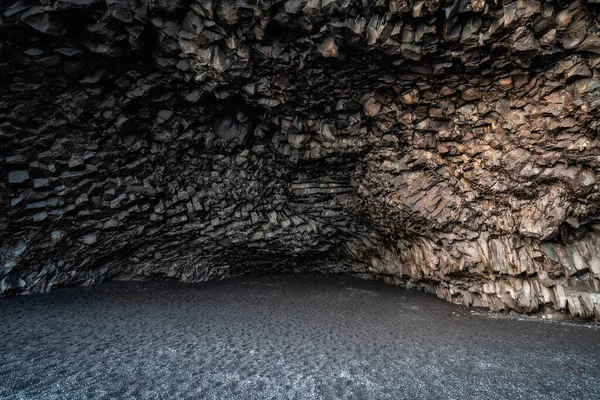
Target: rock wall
(449, 146)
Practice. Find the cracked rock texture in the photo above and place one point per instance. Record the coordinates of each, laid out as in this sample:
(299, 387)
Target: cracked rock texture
(448, 146)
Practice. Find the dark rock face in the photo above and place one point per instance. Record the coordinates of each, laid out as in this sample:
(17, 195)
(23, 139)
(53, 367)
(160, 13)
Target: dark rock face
(448, 146)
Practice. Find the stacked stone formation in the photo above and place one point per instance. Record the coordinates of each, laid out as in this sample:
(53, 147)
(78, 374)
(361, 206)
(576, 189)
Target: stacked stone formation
(449, 146)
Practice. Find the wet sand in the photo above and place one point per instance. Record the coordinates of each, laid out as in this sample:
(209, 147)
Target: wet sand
(283, 337)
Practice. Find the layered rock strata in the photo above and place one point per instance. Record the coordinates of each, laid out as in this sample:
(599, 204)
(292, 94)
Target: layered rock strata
(450, 146)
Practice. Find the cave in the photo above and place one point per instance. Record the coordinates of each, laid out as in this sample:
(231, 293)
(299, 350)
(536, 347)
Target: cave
(448, 146)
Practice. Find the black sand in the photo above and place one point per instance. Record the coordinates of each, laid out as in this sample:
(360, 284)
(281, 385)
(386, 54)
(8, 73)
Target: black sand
(280, 337)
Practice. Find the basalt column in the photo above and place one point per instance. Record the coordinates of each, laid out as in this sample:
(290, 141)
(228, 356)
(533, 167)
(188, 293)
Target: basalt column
(449, 146)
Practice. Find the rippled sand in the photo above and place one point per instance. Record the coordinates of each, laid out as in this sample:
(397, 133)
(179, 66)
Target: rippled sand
(283, 337)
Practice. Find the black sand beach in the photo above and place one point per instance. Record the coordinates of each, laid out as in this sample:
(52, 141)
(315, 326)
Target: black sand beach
(283, 337)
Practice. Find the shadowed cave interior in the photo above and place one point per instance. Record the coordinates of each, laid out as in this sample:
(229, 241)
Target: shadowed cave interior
(450, 146)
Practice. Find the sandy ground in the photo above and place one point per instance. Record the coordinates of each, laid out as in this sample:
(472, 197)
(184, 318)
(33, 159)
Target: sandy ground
(283, 337)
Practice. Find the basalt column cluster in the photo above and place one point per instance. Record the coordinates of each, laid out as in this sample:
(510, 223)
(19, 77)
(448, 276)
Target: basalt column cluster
(448, 145)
